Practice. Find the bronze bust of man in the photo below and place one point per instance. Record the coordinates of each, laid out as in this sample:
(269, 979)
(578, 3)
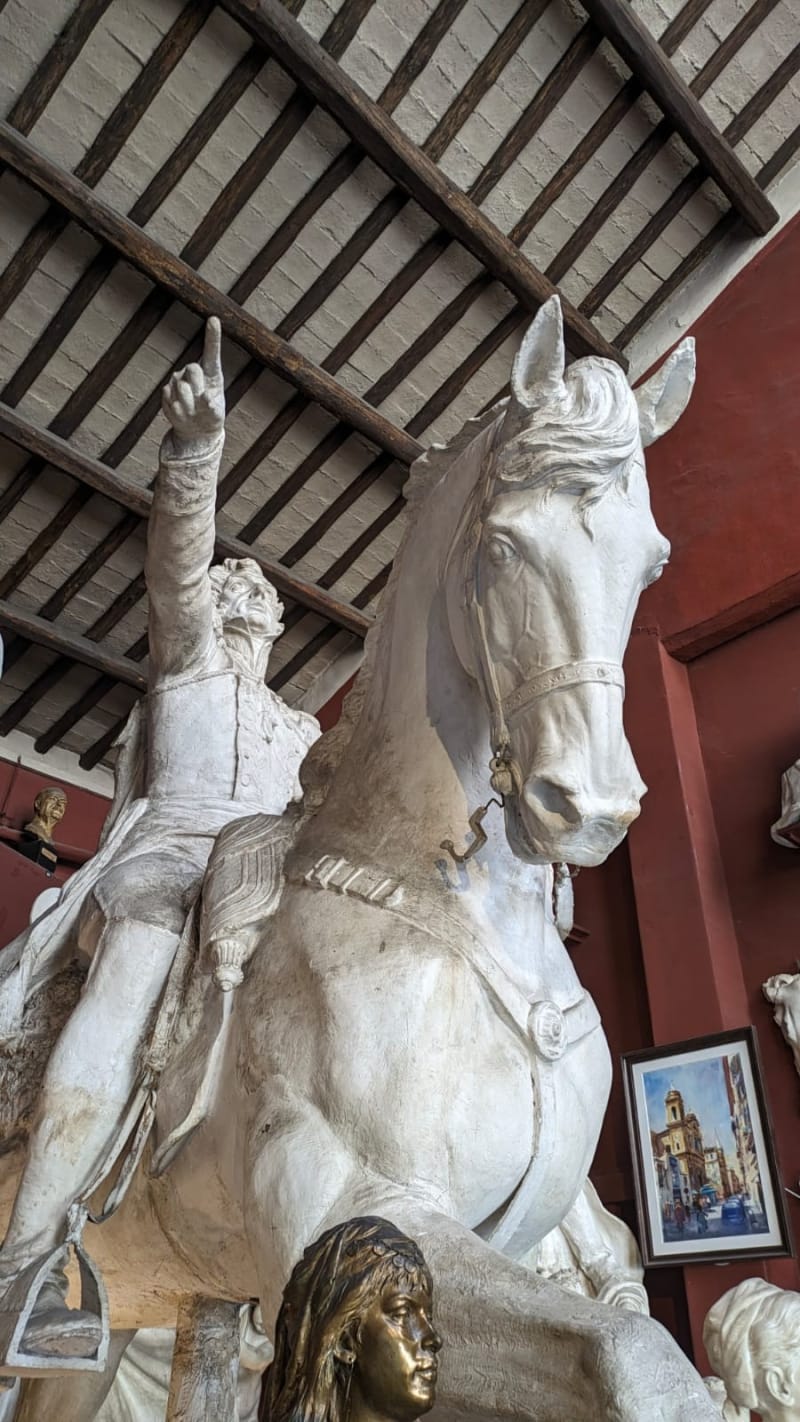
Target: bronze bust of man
(355, 1340)
(36, 842)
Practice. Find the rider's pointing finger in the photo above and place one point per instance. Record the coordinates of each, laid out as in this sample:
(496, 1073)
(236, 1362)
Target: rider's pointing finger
(211, 347)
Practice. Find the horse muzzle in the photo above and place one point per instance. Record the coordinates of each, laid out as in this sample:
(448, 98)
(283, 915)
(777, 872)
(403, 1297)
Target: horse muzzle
(551, 822)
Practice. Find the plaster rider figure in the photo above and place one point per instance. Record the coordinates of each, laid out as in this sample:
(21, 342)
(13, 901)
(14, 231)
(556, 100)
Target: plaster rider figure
(220, 745)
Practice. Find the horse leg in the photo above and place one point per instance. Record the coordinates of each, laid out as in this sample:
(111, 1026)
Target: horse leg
(72, 1397)
(515, 1346)
(524, 1348)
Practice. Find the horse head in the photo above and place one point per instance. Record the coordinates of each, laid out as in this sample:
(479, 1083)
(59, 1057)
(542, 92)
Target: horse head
(555, 546)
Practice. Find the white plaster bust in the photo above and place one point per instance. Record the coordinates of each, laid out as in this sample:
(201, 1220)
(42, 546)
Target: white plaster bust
(783, 991)
(786, 829)
(752, 1337)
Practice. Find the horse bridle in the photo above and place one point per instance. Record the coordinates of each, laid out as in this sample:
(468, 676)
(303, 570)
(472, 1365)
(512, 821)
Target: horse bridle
(505, 774)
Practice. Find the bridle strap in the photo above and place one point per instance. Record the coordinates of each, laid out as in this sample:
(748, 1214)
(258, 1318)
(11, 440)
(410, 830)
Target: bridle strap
(505, 774)
(556, 678)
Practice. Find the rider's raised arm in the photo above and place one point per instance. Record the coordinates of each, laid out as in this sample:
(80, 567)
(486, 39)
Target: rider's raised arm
(180, 534)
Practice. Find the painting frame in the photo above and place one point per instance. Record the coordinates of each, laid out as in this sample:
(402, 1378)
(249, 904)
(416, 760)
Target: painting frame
(681, 1221)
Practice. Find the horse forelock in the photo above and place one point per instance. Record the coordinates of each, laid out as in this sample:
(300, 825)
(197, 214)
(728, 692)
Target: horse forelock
(583, 442)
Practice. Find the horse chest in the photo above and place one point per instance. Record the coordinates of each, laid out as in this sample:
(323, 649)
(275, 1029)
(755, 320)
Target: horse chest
(393, 1039)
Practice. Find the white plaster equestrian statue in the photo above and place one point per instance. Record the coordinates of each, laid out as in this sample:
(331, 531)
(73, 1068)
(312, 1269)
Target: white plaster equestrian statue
(752, 1337)
(217, 743)
(411, 1040)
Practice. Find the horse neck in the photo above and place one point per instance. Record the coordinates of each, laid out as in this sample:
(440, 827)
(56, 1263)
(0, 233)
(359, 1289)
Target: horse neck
(417, 764)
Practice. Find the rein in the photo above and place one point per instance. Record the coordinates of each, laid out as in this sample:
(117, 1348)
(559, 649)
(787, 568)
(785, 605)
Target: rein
(505, 773)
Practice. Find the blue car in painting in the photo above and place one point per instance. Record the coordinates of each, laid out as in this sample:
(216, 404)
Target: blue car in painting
(735, 1214)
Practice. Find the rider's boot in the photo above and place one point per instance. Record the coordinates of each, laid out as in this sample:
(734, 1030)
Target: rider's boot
(53, 1329)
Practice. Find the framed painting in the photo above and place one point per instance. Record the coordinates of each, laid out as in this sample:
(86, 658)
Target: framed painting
(707, 1185)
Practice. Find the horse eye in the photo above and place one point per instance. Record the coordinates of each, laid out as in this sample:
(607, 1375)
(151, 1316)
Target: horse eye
(500, 550)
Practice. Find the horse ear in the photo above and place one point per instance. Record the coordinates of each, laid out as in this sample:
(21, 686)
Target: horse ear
(664, 397)
(537, 376)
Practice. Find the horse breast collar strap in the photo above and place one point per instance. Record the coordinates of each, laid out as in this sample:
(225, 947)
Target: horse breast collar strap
(546, 1029)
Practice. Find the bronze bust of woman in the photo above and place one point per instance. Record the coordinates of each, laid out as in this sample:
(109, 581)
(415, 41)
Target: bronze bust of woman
(355, 1341)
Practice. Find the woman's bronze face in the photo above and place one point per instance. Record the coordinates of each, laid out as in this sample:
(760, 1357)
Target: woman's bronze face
(395, 1367)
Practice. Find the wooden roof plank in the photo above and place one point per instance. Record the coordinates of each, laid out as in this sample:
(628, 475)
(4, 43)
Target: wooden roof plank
(412, 169)
(186, 285)
(335, 39)
(621, 185)
(72, 645)
(229, 202)
(136, 500)
(159, 187)
(75, 713)
(558, 81)
(41, 686)
(62, 54)
(646, 59)
(109, 141)
(774, 165)
(690, 184)
(561, 76)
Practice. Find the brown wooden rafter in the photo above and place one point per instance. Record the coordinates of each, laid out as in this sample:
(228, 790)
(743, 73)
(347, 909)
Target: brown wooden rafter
(186, 285)
(102, 480)
(646, 59)
(71, 644)
(411, 169)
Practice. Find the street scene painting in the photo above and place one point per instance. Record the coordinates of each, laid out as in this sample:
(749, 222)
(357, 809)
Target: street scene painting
(706, 1178)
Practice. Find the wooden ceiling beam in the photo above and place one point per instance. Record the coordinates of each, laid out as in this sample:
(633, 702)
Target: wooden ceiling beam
(384, 142)
(721, 230)
(65, 49)
(91, 473)
(646, 59)
(690, 184)
(186, 285)
(108, 142)
(614, 194)
(71, 644)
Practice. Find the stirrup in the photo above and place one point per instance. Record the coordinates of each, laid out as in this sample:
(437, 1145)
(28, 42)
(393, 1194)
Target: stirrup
(18, 1304)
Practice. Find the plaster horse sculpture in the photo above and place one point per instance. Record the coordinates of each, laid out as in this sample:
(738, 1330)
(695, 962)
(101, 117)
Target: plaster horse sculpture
(212, 743)
(411, 1040)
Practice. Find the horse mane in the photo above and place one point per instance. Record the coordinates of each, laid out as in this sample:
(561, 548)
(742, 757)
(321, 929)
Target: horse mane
(424, 476)
(583, 441)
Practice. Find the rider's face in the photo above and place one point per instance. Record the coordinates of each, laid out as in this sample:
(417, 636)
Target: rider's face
(395, 1368)
(246, 603)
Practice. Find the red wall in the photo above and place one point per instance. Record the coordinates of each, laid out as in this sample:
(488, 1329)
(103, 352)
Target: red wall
(689, 918)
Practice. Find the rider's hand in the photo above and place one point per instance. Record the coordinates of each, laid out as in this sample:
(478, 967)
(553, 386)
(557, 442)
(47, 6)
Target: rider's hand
(193, 399)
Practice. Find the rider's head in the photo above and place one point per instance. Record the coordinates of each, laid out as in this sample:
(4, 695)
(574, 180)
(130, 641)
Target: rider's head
(354, 1336)
(244, 601)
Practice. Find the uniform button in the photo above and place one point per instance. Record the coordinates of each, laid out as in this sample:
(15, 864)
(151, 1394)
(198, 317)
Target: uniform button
(245, 780)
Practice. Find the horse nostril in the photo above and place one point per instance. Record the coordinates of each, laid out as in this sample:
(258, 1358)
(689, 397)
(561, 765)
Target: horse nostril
(554, 799)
